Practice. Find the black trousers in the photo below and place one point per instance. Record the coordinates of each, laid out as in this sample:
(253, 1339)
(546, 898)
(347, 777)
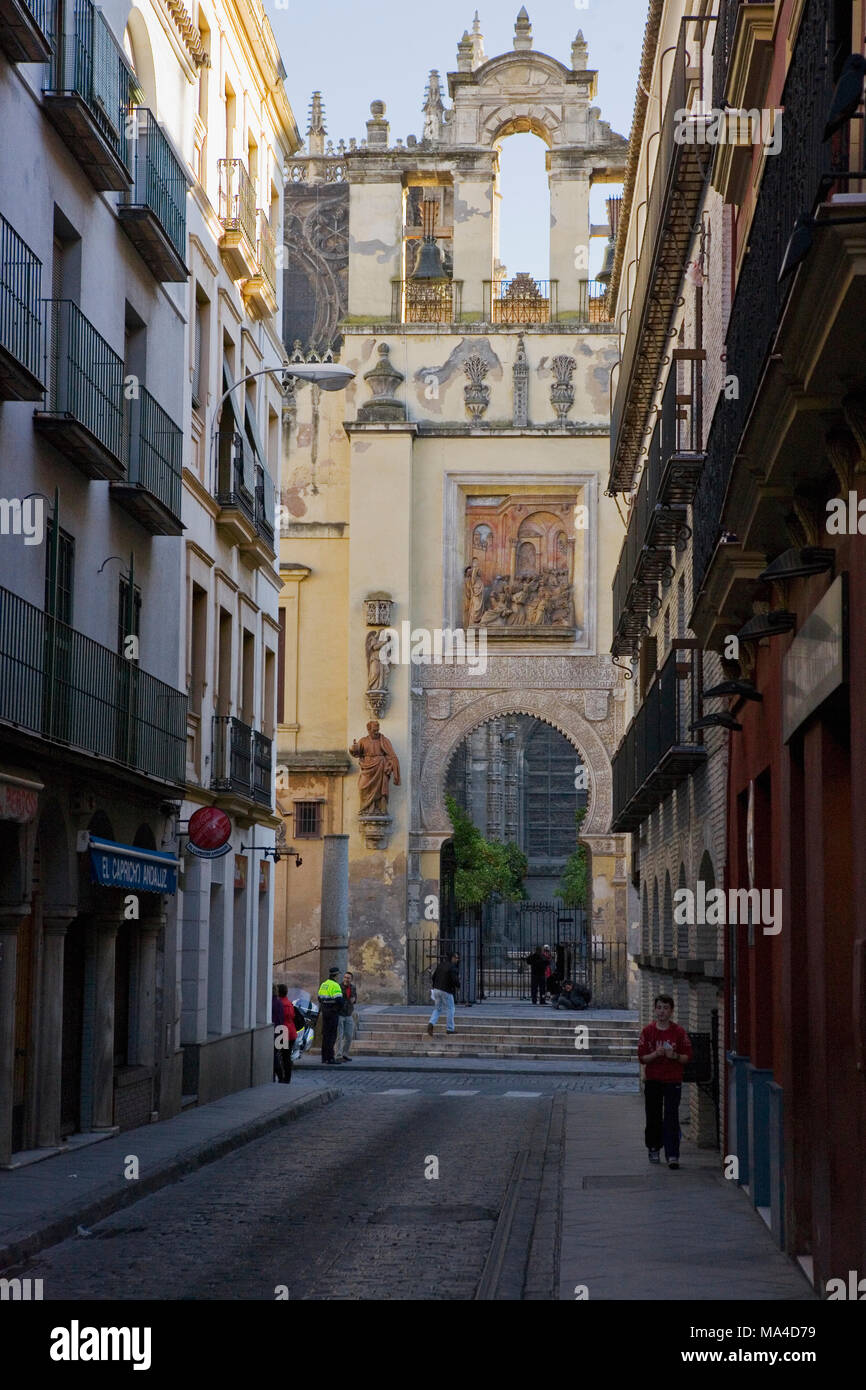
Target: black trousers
(662, 1105)
(538, 985)
(330, 1024)
(283, 1063)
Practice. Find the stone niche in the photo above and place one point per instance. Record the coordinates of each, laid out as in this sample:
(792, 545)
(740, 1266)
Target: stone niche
(522, 554)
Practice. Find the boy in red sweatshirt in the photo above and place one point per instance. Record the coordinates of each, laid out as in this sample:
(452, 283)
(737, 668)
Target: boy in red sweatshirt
(663, 1049)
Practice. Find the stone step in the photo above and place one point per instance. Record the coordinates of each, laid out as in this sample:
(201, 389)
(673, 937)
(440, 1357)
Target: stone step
(466, 1047)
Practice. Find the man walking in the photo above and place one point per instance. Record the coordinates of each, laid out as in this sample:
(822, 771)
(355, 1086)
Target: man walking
(331, 1005)
(538, 964)
(346, 1021)
(446, 982)
(663, 1048)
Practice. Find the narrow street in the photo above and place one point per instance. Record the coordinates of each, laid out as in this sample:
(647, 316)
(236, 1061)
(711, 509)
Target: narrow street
(334, 1207)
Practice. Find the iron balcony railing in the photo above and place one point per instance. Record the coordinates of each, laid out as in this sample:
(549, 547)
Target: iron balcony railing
(723, 48)
(242, 760)
(426, 301)
(25, 30)
(237, 199)
(89, 62)
(796, 180)
(658, 751)
(265, 505)
(680, 172)
(236, 481)
(84, 375)
(155, 451)
(63, 686)
(263, 766)
(159, 181)
(266, 251)
(20, 299)
(521, 300)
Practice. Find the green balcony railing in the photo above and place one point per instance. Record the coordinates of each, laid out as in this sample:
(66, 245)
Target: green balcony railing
(60, 684)
(84, 374)
(20, 302)
(89, 62)
(159, 182)
(267, 251)
(155, 451)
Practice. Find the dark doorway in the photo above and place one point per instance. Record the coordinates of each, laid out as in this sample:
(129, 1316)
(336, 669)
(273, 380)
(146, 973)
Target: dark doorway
(73, 1018)
(23, 1022)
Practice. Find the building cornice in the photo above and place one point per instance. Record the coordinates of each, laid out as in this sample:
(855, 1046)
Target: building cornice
(641, 104)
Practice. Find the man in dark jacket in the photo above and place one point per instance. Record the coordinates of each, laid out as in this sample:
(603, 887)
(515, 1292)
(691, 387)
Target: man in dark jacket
(573, 996)
(446, 982)
(538, 963)
(285, 1033)
(346, 1025)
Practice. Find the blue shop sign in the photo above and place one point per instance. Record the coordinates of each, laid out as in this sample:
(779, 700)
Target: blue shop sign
(127, 866)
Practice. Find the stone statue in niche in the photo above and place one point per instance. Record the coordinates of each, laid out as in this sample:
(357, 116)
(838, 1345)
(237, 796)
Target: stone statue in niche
(378, 671)
(379, 764)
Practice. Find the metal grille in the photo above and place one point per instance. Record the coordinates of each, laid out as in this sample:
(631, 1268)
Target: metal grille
(58, 683)
(267, 251)
(159, 180)
(20, 291)
(307, 820)
(237, 199)
(84, 373)
(155, 451)
(428, 302)
(87, 60)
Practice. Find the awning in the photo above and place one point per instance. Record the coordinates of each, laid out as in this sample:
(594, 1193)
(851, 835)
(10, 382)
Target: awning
(128, 866)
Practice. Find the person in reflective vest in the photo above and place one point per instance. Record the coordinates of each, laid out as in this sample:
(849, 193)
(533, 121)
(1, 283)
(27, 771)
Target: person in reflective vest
(331, 1005)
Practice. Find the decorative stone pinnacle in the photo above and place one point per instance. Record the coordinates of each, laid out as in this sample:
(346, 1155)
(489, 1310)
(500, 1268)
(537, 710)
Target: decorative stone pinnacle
(465, 52)
(378, 127)
(579, 53)
(478, 54)
(317, 130)
(434, 108)
(523, 30)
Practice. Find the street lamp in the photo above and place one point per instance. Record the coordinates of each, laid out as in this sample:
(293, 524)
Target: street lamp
(328, 376)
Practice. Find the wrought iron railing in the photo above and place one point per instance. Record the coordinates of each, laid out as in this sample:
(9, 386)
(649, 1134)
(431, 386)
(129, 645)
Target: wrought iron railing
(593, 302)
(426, 301)
(265, 504)
(266, 252)
(263, 766)
(60, 684)
(88, 61)
(236, 487)
(794, 181)
(43, 11)
(237, 199)
(521, 300)
(20, 302)
(727, 24)
(242, 759)
(155, 451)
(159, 179)
(84, 374)
(658, 749)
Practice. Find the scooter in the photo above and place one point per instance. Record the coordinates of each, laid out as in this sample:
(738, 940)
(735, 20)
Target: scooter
(310, 1010)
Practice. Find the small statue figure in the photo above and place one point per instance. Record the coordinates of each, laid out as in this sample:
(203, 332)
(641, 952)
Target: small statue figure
(378, 666)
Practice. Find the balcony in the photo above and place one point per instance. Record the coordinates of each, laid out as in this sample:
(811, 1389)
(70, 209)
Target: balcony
(260, 291)
(681, 170)
(426, 301)
(242, 761)
(153, 211)
(87, 98)
(20, 318)
(65, 688)
(658, 752)
(83, 405)
(521, 300)
(25, 30)
(237, 210)
(681, 429)
(152, 489)
(656, 526)
(236, 489)
(736, 526)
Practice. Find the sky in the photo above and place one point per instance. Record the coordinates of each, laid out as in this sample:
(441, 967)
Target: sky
(358, 51)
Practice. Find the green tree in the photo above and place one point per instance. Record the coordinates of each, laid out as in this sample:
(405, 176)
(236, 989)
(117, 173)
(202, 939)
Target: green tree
(574, 884)
(483, 867)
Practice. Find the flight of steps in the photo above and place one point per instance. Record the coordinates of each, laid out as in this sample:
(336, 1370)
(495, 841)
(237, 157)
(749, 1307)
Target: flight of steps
(548, 1037)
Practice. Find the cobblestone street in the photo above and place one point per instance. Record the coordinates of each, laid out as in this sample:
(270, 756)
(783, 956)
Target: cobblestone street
(334, 1207)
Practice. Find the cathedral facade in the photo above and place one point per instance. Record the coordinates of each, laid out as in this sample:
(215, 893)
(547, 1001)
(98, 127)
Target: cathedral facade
(446, 552)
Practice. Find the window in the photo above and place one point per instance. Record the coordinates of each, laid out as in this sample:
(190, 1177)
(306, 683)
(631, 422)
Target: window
(123, 631)
(65, 570)
(199, 362)
(308, 820)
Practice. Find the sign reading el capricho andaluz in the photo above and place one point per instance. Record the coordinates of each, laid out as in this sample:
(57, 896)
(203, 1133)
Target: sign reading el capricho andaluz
(125, 866)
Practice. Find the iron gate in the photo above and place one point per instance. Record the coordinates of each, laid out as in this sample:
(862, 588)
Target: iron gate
(493, 941)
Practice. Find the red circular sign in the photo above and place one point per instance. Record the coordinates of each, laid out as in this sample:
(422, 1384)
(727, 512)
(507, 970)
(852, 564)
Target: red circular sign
(209, 828)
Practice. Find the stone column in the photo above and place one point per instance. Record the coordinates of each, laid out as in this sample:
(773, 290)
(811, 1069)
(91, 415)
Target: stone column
(569, 228)
(49, 1054)
(10, 920)
(334, 945)
(102, 1054)
(473, 236)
